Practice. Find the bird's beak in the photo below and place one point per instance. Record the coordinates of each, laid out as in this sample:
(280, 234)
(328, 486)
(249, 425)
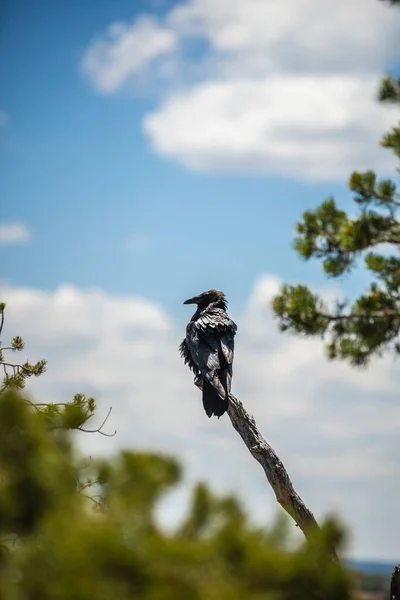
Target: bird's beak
(192, 300)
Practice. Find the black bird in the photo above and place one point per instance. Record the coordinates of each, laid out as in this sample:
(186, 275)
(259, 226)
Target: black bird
(208, 349)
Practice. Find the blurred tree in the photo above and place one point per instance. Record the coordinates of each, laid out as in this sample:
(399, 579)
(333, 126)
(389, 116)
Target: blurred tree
(86, 530)
(58, 545)
(372, 324)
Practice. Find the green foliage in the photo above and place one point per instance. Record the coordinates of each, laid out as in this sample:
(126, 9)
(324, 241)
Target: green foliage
(32, 477)
(15, 375)
(390, 89)
(58, 544)
(372, 324)
(62, 415)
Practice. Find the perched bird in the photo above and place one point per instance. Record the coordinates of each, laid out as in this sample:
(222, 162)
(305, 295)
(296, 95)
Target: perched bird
(208, 349)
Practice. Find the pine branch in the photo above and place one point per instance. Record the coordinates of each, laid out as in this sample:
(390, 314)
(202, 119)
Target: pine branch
(17, 367)
(273, 467)
(99, 429)
(374, 314)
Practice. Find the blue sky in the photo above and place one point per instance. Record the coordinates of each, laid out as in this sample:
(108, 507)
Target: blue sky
(150, 150)
(77, 168)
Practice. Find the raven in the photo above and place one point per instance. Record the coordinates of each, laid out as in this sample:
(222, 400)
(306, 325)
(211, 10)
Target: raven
(208, 349)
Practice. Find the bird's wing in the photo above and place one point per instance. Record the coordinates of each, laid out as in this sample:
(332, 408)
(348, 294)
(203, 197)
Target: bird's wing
(227, 342)
(216, 325)
(215, 320)
(187, 357)
(210, 342)
(216, 333)
(204, 352)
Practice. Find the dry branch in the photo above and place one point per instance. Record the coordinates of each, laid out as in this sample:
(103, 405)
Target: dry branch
(273, 467)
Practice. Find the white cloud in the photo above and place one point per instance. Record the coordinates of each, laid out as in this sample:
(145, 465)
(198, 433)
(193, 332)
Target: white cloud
(334, 428)
(262, 36)
(281, 88)
(125, 50)
(14, 233)
(307, 127)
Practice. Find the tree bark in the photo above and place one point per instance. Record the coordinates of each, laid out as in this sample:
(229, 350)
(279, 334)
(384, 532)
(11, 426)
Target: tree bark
(274, 469)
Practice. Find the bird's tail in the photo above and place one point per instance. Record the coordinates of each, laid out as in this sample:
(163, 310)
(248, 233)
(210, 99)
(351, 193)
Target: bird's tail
(212, 401)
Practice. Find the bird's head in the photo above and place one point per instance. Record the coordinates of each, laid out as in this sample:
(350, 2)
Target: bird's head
(206, 298)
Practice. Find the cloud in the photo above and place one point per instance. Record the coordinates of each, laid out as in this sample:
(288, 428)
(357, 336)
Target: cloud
(307, 127)
(259, 38)
(125, 50)
(262, 86)
(262, 36)
(335, 428)
(14, 233)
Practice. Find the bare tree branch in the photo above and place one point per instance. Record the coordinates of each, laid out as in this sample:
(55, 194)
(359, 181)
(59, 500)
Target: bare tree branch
(273, 467)
(33, 404)
(92, 498)
(99, 429)
(87, 484)
(16, 367)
